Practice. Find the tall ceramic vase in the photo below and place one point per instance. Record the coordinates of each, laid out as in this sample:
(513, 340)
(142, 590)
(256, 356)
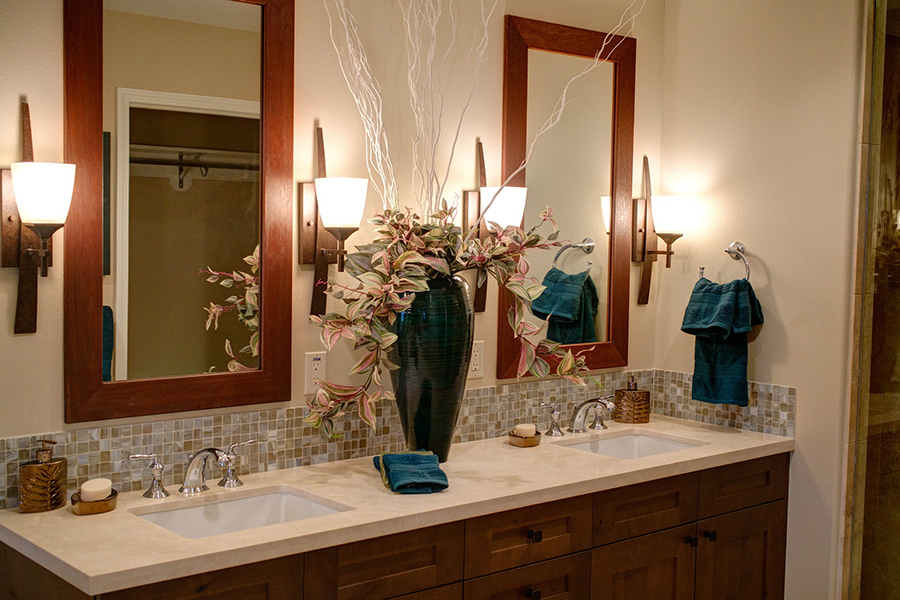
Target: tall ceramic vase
(433, 347)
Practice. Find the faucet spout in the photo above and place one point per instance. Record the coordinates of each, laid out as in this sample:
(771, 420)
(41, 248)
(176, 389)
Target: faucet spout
(194, 474)
(603, 402)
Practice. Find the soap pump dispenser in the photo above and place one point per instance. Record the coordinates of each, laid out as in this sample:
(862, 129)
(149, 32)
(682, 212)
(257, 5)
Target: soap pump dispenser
(42, 482)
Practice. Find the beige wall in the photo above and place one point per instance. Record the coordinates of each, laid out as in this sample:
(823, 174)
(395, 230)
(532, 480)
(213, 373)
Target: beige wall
(752, 108)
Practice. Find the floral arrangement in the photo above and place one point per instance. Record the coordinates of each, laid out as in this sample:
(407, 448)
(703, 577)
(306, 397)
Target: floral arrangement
(244, 305)
(406, 253)
(409, 250)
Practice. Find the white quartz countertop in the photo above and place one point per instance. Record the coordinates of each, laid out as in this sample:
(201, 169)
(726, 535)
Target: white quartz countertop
(118, 550)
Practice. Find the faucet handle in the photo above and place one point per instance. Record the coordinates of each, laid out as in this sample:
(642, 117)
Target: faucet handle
(554, 430)
(232, 447)
(230, 478)
(156, 491)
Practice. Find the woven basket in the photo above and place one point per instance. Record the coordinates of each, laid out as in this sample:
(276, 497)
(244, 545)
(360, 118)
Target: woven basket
(632, 406)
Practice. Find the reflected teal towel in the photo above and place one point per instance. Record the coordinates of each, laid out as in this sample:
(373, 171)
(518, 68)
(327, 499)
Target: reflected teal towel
(720, 315)
(411, 472)
(109, 342)
(569, 305)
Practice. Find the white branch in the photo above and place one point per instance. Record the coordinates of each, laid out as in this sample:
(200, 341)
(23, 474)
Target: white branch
(599, 58)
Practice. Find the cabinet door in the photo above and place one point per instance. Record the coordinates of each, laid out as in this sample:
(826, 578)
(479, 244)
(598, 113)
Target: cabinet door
(741, 555)
(388, 566)
(527, 535)
(658, 566)
(278, 579)
(454, 591)
(567, 578)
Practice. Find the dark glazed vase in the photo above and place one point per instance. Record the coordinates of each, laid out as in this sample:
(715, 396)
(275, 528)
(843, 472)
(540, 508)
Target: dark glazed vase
(433, 347)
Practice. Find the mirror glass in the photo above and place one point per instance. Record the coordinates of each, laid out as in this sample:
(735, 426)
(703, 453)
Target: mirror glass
(570, 172)
(181, 102)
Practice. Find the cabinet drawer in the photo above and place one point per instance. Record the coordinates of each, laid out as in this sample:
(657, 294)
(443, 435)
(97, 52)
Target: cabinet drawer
(388, 566)
(567, 578)
(659, 566)
(526, 535)
(277, 579)
(631, 511)
(742, 485)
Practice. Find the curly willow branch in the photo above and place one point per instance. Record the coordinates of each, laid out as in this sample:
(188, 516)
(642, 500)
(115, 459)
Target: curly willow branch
(367, 94)
(600, 57)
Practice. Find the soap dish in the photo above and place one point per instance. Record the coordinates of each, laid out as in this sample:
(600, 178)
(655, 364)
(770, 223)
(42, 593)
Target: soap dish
(95, 507)
(524, 442)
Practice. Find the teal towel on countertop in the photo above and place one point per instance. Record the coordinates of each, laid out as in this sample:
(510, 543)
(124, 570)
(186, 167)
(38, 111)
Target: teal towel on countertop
(109, 342)
(411, 472)
(720, 315)
(569, 305)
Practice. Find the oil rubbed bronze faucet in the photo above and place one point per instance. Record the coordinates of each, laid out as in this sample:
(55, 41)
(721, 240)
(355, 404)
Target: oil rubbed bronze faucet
(600, 404)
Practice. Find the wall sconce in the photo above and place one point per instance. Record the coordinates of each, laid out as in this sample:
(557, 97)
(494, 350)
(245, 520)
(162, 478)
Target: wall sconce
(652, 219)
(35, 199)
(43, 194)
(508, 208)
(606, 208)
(342, 201)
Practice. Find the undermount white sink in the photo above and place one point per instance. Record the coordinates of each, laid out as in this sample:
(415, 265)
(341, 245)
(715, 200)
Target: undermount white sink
(202, 517)
(630, 444)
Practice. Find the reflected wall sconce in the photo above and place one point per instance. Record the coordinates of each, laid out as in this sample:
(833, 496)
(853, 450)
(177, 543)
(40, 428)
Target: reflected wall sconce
(35, 200)
(508, 209)
(656, 218)
(331, 210)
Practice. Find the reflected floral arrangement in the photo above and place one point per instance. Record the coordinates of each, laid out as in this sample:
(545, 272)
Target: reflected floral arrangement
(244, 305)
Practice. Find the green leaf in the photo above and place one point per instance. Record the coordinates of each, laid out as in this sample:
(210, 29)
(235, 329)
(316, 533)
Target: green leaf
(365, 364)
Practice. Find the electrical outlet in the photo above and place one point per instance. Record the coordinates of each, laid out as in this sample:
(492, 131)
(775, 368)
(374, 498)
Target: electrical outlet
(315, 369)
(476, 363)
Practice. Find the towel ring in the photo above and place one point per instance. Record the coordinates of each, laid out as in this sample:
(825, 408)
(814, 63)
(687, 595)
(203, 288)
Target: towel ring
(586, 245)
(736, 251)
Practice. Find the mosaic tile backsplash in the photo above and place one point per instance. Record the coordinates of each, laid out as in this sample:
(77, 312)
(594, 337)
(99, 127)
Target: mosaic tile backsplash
(285, 441)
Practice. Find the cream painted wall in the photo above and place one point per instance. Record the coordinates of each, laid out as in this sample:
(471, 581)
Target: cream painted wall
(752, 107)
(760, 125)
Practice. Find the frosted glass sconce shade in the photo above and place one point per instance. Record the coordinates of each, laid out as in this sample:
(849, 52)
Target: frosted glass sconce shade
(668, 214)
(342, 201)
(606, 207)
(507, 209)
(43, 191)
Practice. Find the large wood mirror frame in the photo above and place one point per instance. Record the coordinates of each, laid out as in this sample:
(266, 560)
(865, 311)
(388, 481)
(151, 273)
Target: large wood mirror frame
(87, 397)
(525, 34)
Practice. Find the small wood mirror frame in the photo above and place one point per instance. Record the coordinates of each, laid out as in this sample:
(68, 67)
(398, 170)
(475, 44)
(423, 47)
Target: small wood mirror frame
(526, 34)
(87, 397)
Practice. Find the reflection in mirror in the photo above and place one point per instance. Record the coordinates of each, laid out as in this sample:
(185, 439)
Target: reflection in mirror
(570, 172)
(181, 98)
(588, 157)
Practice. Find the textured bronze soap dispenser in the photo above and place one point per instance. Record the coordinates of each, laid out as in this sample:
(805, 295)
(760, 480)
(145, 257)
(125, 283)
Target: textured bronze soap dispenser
(632, 404)
(42, 482)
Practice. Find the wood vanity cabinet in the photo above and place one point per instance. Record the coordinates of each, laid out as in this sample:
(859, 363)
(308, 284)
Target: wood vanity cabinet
(737, 552)
(707, 535)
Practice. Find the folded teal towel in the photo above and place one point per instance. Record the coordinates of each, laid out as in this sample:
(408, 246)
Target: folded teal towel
(109, 342)
(720, 315)
(569, 305)
(411, 472)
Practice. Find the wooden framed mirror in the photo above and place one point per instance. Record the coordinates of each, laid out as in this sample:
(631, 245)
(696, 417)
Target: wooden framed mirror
(525, 38)
(87, 396)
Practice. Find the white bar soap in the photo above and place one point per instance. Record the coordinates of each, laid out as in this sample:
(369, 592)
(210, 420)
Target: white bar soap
(525, 430)
(96, 489)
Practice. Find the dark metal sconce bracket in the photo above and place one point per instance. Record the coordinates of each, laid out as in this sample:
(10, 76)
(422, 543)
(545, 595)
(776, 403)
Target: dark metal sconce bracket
(470, 210)
(21, 247)
(317, 246)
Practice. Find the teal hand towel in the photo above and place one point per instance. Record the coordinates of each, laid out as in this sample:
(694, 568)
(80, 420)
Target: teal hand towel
(411, 472)
(109, 342)
(719, 316)
(569, 305)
